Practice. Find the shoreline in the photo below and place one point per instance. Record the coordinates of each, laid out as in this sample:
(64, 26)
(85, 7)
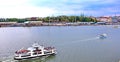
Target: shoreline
(11, 24)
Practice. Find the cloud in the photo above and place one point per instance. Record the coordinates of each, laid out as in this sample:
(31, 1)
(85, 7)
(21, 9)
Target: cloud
(22, 9)
(25, 11)
(7, 3)
(41, 8)
(89, 7)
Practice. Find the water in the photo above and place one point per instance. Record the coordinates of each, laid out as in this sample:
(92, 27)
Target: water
(73, 43)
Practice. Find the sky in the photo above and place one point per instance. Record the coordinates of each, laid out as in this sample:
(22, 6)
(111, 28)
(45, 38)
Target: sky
(43, 8)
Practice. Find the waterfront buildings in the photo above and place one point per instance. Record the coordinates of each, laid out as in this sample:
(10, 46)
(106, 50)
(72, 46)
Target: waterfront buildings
(104, 19)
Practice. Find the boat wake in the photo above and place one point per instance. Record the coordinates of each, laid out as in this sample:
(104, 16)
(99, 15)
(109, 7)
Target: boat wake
(85, 40)
(39, 59)
(77, 41)
(94, 38)
(8, 59)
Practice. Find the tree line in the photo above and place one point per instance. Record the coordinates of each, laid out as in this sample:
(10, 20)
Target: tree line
(62, 18)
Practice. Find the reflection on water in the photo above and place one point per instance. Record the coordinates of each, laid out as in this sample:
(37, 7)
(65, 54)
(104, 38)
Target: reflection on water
(39, 59)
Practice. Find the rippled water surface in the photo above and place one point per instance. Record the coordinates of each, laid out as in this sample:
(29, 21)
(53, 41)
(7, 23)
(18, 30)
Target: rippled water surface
(73, 43)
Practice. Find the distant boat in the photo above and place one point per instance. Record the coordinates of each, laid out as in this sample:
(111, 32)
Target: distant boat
(35, 51)
(103, 36)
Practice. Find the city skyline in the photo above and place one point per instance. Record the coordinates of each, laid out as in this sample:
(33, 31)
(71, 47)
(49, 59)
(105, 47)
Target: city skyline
(43, 8)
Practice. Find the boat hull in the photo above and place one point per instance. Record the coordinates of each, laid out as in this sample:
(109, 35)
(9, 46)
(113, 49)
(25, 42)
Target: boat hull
(29, 57)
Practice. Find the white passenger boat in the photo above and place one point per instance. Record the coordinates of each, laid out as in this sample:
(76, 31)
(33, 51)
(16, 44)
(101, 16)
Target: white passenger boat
(103, 36)
(35, 51)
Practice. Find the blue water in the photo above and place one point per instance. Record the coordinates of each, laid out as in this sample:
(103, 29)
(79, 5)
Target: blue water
(73, 43)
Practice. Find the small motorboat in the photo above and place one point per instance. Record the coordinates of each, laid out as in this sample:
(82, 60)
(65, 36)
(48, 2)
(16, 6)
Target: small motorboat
(103, 36)
(35, 51)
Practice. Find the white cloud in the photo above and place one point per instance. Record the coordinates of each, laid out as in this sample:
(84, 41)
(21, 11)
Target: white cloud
(25, 11)
(12, 2)
(42, 8)
(21, 9)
